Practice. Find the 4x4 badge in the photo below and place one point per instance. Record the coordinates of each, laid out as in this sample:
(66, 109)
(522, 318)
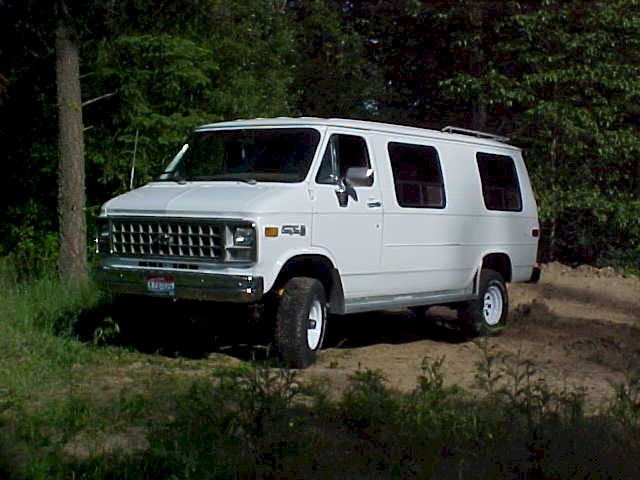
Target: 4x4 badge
(293, 230)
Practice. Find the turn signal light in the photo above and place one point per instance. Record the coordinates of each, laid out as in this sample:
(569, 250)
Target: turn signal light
(270, 231)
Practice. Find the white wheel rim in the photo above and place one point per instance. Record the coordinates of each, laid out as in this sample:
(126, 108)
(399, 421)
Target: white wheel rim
(316, 321)
(493, 305)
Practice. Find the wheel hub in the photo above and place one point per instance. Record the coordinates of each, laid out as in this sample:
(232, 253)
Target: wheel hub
(314, 329)
(493, 305)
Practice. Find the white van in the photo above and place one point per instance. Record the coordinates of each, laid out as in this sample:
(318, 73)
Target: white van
(316, 216)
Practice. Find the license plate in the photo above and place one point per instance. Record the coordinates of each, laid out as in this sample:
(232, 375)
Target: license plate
(161, 286)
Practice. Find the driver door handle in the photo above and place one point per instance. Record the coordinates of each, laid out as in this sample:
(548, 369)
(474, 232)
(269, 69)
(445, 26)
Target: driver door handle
(374, 203)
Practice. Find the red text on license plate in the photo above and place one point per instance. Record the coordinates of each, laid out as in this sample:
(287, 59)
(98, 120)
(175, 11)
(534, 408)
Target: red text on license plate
(161, 285)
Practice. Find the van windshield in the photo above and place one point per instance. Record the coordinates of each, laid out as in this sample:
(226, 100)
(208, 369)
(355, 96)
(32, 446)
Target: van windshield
(250, 155)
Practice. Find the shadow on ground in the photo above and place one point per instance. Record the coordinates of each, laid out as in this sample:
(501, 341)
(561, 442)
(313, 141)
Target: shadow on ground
(392, 327)
(198, 329)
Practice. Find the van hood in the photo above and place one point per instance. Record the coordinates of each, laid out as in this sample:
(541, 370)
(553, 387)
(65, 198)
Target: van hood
(219, 199)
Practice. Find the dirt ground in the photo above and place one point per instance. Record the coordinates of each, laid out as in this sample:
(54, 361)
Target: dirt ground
(580, 328)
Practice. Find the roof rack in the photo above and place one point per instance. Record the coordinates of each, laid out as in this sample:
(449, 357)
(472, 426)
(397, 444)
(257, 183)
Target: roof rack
(475, 133)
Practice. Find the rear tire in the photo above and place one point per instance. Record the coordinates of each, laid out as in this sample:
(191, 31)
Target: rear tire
(487, 315)
(301, 321)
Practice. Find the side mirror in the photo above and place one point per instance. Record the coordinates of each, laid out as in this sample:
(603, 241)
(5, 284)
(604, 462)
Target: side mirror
(342, 193)
(359, 176)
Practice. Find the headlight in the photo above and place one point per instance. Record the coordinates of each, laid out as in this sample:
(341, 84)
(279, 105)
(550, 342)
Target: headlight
(102, 235)
(243, 237)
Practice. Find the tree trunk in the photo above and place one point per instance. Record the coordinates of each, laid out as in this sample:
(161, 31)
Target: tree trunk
(553, 158)
(72, 262)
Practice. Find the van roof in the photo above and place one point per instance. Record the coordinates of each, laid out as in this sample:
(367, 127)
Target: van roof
(357, 125)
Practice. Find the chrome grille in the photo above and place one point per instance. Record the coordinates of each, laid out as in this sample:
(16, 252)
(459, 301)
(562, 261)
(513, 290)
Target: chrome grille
(168, 238)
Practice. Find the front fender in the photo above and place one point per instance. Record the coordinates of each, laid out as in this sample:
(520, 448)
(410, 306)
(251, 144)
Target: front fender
(272, 274)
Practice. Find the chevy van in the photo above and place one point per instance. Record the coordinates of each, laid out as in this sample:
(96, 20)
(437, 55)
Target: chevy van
(328, 216)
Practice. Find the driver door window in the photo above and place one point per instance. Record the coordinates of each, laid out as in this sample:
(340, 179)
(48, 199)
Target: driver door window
(343, 152)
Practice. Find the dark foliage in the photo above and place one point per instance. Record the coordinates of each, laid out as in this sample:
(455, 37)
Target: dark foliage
(560, 78)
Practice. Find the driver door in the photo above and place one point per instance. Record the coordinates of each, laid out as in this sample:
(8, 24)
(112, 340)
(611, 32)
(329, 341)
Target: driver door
(347, 218)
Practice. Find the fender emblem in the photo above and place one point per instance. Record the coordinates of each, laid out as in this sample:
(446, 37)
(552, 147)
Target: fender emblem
(293, 230)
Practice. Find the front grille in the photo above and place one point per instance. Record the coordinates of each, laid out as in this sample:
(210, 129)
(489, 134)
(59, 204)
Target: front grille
(168, 238)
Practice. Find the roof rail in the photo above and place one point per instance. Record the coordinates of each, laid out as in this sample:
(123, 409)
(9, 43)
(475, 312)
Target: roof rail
(475, 133)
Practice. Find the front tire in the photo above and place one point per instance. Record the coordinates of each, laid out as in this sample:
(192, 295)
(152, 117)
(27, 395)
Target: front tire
(487, 315)
(301, 321)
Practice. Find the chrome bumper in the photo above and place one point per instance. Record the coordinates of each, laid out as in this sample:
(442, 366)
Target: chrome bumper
(187, 285)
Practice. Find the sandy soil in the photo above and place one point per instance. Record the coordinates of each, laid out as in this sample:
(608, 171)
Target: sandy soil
(580, 328)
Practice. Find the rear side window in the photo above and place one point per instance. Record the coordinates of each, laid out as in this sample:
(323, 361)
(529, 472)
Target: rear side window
(500, 186)
(417, 175)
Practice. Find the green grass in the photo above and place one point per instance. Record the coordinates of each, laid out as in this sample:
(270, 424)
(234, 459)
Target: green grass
(36, 318)
(72, 409)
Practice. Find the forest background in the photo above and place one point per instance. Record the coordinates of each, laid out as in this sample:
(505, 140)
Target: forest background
(560, 78)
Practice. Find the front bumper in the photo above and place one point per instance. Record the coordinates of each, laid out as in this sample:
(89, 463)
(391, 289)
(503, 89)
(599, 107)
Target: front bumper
(187, 285)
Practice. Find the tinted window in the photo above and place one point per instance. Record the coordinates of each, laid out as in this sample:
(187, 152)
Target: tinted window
(500, 187)
(417, 176)
(348, 151)
(264, 155)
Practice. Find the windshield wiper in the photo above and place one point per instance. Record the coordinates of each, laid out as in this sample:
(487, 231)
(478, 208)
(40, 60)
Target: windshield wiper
(178, 180)
(167, 177)
(224, 178)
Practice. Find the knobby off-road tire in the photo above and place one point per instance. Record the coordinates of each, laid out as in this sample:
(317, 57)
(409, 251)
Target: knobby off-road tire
(487, 315)
(301, 321)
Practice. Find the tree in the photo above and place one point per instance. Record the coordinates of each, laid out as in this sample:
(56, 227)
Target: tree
(174, 66)
(72, 261)
(405, 44)
(417, 46)
(561, 78)
(570, 74)
(332, 75)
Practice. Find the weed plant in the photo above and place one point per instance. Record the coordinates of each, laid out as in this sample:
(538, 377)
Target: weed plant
(258, 421)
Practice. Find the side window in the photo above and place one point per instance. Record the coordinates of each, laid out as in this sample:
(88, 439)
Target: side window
(417, 175)
(343, 151)
(500, 187)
